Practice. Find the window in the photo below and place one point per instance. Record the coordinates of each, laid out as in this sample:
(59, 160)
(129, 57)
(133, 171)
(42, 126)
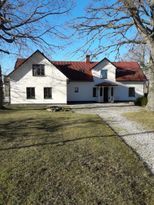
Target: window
(101, 91)
(38, 70)
(104, 74)
(47, 93)
(30, 93)
(131, 92)
(76, 90)
(112, 91)
(94, 92)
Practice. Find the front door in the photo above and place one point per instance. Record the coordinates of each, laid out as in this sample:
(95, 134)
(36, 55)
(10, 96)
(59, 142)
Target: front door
(106, 94)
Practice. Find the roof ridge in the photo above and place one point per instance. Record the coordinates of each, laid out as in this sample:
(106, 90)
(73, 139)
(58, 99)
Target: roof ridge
(74, 61)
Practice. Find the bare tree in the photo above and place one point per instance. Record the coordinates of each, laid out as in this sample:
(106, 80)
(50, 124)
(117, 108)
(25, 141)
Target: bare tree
(23, 23)
(139, 53)
(120, 23)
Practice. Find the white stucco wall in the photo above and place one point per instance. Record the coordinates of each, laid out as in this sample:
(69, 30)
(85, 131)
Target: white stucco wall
(22, 78)
(85, 91)
(121, 91)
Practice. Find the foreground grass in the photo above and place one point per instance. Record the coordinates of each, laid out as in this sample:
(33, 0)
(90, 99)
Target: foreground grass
(145, 118)
(67, 159)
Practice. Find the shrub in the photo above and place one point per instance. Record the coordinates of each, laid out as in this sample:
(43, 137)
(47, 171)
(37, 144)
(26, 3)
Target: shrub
(141, 101)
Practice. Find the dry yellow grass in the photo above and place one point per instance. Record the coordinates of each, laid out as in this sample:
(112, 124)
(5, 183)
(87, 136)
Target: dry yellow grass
(67, 159)
(145, 118)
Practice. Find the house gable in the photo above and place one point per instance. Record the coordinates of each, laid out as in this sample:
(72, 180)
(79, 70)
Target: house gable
(104, 66)
(22, 78)
(23, 67)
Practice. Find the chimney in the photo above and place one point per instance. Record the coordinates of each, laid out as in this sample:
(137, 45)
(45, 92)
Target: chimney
(87, 58)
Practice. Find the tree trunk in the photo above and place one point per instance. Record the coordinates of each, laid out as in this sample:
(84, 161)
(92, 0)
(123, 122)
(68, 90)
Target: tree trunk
(150, 105)
(1, 90)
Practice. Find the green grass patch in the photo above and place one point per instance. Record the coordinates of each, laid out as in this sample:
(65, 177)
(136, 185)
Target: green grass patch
(67, 159)
(145, 118)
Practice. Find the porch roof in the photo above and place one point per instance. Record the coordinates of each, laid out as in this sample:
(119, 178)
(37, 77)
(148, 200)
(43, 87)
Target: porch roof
(105, 84)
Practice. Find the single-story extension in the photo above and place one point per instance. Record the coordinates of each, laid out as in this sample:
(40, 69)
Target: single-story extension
(39, 80)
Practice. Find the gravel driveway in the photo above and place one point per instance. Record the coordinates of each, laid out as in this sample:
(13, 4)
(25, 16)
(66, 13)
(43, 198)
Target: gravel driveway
(141, 140)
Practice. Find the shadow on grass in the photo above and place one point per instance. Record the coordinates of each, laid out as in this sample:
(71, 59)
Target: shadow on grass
(63, 142)
(48, 131)
(58, 143)
(21, 131)
(14, 130)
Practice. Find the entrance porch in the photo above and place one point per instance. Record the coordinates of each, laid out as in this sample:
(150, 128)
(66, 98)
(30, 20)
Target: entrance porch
(105, 92)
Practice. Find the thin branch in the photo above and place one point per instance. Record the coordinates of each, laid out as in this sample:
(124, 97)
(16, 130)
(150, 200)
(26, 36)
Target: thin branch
(4, 51)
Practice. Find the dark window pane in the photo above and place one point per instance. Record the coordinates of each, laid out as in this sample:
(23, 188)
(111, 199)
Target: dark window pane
(42, 71)
(112, 91)
(131, 92)
(47, 93)
(101, 91)
(94, 92)
(76, 90)
(30, 93)
(38, 70)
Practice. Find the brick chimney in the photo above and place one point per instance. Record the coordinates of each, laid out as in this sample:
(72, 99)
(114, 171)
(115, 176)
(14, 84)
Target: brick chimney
(87, 58)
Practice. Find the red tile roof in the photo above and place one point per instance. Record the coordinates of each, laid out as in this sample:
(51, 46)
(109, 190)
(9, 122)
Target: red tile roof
(129, 71)
(75, 71)
(81, 71)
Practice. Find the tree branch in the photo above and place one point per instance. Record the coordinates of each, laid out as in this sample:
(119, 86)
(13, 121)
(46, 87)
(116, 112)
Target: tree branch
(4, 51)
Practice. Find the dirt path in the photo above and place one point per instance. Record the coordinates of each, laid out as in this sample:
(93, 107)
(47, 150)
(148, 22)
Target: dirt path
(141, 140)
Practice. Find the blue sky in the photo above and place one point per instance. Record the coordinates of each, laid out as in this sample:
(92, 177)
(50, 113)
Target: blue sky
(7, 61)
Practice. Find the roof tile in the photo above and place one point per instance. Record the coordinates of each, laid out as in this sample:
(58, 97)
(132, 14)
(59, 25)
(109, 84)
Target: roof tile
(81, 71)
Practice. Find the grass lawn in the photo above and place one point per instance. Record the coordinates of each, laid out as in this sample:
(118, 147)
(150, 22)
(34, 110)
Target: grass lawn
(67, 159)
(145, 118)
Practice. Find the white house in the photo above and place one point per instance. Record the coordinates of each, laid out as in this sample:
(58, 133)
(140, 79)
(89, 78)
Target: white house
(38, 80)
